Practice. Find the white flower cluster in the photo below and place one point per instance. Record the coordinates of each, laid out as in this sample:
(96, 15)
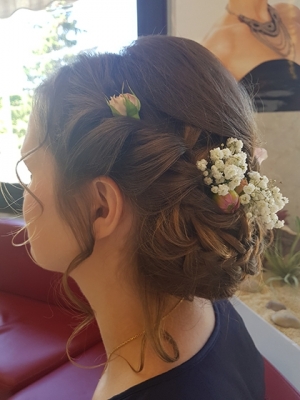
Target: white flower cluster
(226, 171)
(228, 167)
(262, 200)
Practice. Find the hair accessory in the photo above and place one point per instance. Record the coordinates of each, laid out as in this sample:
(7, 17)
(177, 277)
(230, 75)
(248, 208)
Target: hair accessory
(225, 173)
(126, 104)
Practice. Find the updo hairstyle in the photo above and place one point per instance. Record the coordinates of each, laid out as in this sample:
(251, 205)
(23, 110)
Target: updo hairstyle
(185, 246)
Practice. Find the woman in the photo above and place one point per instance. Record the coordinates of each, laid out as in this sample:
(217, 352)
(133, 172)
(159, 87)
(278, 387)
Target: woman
(233, 41)
(259, 44)
(119, 151)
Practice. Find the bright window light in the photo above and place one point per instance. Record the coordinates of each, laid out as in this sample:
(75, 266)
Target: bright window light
(105, 26)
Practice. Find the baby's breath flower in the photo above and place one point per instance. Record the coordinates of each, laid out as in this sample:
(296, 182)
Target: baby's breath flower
(274, 208)
(275, 190)
(223, 190)
(216, 154)
(232, 172)
(237, 180)
(226, 174)
(266, 218)
(245, 199)
(239, 145)
(220, 165)
(234, 183)
(202, 164)
(248, 189)
(234, 145)
(215, 172)
(208, 181)
(226, 153)
(277, 197)
(255, 176)
(263, 184)
(279, 224)
(240, 158)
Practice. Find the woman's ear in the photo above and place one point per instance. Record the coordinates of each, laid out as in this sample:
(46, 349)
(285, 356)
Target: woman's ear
(108, 206)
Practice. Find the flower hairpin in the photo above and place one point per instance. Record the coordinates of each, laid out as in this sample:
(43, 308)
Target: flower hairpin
(126, 104)
(231, 186)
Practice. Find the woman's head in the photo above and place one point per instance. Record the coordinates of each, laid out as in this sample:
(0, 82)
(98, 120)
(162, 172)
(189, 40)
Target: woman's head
(183, 244)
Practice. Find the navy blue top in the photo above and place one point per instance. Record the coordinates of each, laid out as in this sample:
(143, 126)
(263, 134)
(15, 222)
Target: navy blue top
(228, 367)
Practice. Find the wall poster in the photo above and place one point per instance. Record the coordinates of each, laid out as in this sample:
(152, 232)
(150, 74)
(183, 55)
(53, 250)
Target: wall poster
(259, 43)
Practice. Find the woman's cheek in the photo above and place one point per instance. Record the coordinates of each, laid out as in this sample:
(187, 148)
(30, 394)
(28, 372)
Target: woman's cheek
(28, 207)
(31, 214)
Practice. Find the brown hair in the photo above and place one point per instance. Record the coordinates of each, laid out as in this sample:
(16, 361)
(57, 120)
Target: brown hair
(185, 245)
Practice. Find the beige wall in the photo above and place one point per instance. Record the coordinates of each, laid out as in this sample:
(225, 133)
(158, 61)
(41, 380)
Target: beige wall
(280, 132)
(193, 18)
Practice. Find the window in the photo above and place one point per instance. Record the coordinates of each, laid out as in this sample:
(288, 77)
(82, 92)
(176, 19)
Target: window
(32, 43)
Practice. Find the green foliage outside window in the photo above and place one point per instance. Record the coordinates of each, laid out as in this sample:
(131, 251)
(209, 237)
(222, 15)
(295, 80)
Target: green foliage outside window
(59, 35)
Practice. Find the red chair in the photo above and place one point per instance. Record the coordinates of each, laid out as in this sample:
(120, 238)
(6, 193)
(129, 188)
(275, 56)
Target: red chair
(277, 387)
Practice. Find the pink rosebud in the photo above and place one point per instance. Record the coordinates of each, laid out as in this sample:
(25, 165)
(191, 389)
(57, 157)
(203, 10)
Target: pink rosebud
(260, 154)
(240, 188)
(118, 104)
(133, 99)
(229, 203)
(125, 104)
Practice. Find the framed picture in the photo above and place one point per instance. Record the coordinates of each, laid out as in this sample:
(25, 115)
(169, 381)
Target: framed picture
(259, 43)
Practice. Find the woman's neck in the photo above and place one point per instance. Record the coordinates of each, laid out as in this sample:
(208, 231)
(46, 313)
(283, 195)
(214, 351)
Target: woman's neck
(254, 9)
(115, 299)
(112, 297)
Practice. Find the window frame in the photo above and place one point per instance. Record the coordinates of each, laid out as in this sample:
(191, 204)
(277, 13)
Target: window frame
(152, 17)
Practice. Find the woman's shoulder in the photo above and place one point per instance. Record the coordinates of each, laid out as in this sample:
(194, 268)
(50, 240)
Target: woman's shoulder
(228, 358)
(288, 10)
(223, 39)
